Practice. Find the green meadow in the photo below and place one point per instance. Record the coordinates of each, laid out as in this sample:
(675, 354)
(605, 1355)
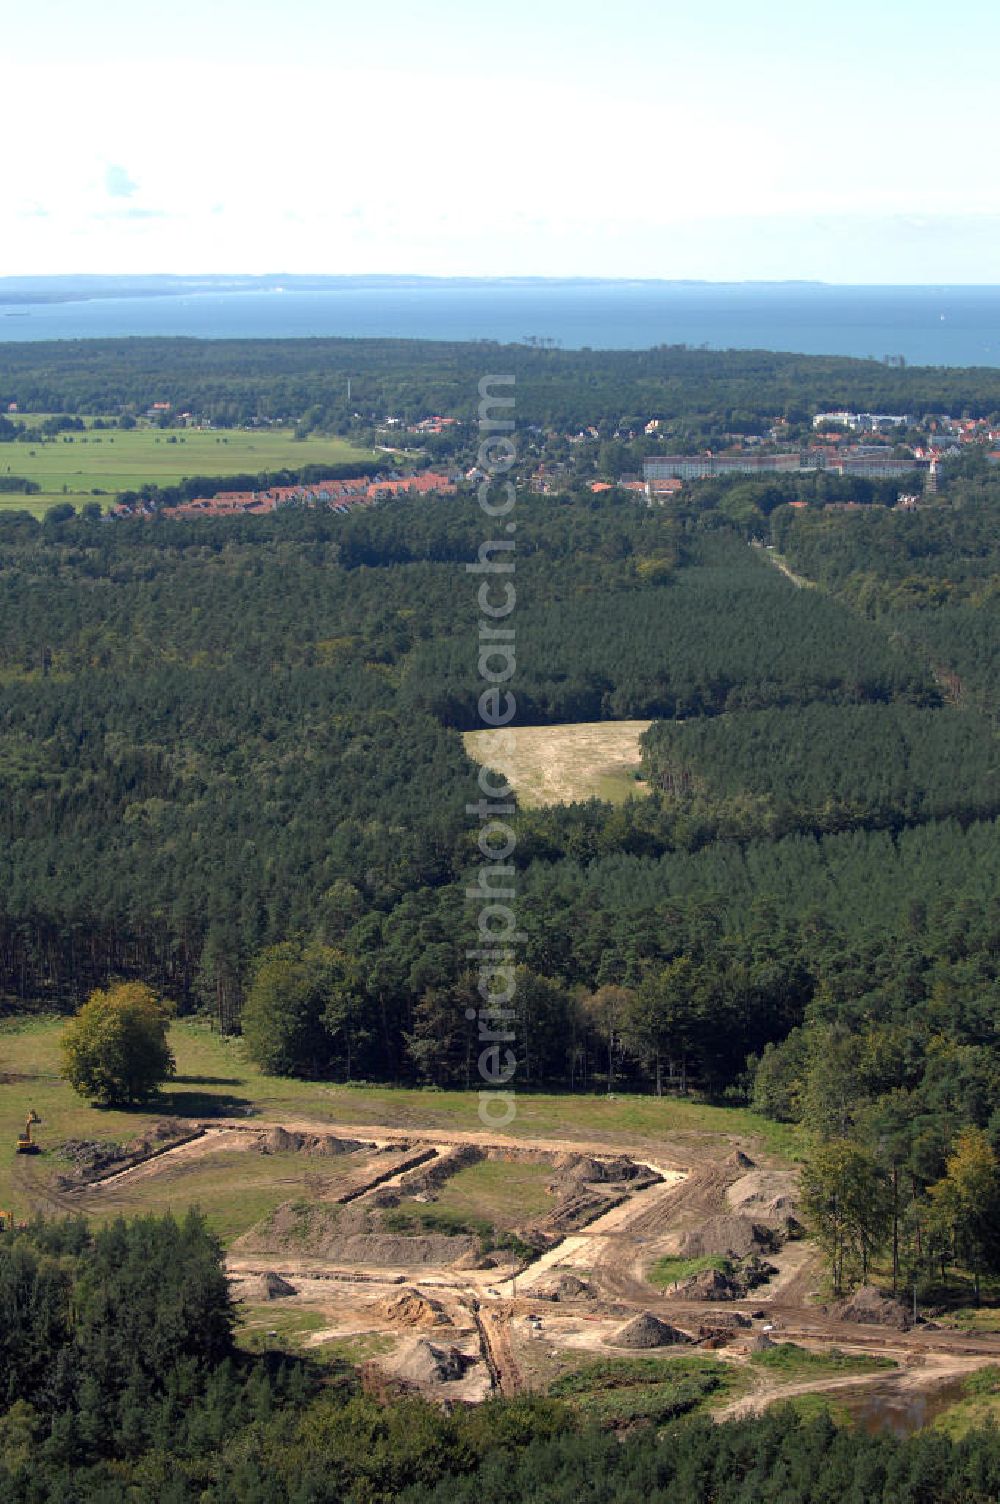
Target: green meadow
(73, 467)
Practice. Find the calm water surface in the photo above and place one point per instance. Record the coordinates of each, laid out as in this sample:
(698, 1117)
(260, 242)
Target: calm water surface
(926, 325)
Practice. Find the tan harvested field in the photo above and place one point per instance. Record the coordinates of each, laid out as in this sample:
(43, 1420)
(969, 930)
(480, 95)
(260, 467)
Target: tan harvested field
(564, 764)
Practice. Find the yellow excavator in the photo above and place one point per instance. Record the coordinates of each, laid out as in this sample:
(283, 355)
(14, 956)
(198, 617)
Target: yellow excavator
(25, 1143)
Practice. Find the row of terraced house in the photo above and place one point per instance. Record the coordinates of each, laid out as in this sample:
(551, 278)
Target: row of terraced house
(337, 495)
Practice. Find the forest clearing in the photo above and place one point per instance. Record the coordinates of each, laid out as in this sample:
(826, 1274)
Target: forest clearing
(565, 764)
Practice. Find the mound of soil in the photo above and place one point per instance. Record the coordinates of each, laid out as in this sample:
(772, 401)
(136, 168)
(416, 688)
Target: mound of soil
(709, 1284)
(278, 1140)
(565, 1287)
(647, 1330)
(92, 1158)
(352, 1234)
(734, 1237)
(754, 1272)
(869, 1305)
(410, 1308)
(725, 1321)
(769, 1196)
(268, 1286)
(575, 1209)
(476, 1260)
(421, 1362)
(761, 1343)
(740, 1161)
(574, 1171)
(721, 1327)
(325, 1145)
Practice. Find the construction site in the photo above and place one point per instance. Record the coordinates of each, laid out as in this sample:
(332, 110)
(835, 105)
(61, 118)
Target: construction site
(462, 1264)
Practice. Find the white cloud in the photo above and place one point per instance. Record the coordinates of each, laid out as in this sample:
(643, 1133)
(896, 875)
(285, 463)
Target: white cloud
(117, 181)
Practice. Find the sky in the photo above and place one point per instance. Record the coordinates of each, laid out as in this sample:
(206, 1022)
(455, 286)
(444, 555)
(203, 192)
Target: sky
(719, 140)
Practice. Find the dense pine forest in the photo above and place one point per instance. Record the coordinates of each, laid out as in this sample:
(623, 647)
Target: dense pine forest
(218, 737)
(234, 381)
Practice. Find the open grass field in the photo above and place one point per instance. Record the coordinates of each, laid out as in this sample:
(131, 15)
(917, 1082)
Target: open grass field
(70, 467)
(564, 764)
(214, 1078)
(234, 1188)
(505, 1194)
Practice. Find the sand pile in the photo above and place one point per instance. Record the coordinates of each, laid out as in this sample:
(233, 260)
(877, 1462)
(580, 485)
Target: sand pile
(421, 1362)
(733, 1237)
(267, 1286)
(647, 1330)
(869, 1305)
(571, 1172)
(740, 1161)
(410, 1308)
(769, 1196)
(564, 1287)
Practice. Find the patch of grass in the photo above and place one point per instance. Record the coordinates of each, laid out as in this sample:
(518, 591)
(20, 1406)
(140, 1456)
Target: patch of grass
(357, 1348)
(985, 1382)
(624, 1391)
(809, 1407)
(653, 1403)
(37, 504)
(416, 1217)
(290, 1327)
(979, 1407)
(505, 1192)
(234, 1188)
(975, 1319)
(562, 764)
(671, 1269)
(618, 1373)
(793, 1362)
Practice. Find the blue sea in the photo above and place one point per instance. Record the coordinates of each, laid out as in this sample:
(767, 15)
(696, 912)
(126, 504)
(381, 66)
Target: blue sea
(957, 326)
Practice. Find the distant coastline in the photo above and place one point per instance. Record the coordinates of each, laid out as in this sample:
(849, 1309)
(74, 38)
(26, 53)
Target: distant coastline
(932, 325)
(82, 287)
